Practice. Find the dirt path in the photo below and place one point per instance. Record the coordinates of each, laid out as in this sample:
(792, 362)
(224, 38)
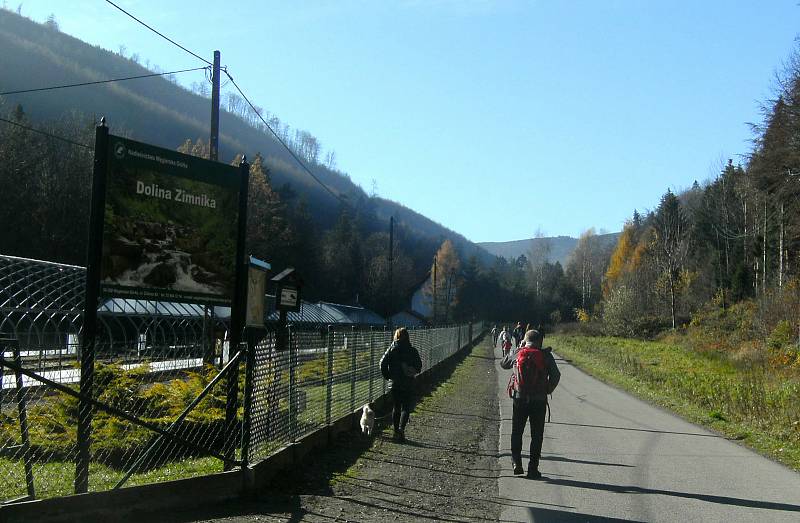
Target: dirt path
(446, 471)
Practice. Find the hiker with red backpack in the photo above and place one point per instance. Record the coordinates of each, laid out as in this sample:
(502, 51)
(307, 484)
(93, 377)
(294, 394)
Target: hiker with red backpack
(535, 375)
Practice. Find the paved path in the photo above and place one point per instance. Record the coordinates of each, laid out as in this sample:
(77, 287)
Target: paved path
(610, 457)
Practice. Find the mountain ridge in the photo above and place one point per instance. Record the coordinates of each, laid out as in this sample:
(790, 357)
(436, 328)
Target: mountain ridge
(157, 111)
(561, 247)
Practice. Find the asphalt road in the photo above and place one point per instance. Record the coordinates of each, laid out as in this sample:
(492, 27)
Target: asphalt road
(608, 456)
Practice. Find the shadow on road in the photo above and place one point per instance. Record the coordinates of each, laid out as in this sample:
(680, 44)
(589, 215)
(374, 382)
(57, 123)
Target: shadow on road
(584, 462)
(635, 429)
(562, 516)
(630, 489)
(501, 500)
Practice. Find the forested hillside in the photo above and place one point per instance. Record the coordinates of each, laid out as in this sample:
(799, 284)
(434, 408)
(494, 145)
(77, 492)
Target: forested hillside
(720, 261)
(340, 243)
(159, 111)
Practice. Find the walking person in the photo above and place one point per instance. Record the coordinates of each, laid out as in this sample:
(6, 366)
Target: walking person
(399, 364)
(519, 333)
(494, 335)
(505, 341)
(535, 375)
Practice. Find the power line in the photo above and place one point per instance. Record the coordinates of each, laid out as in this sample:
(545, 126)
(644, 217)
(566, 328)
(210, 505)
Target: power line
(289, 149)
(162, 35)
(291, 152)
(100, 81)
(34, 130)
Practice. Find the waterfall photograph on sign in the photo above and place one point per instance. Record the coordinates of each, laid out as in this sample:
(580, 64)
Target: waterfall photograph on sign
(170, 225)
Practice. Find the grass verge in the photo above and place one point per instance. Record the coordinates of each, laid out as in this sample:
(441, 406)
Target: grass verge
(750, 404)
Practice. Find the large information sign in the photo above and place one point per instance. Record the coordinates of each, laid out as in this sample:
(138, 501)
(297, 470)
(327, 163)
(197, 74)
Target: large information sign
(170, 225)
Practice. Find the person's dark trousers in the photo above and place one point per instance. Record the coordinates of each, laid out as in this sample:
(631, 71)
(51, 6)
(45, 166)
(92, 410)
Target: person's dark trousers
(403, 404)
(524, 411)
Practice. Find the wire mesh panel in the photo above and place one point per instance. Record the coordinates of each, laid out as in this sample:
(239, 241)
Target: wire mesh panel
(37, 439)
(163, 378)
(264, 387)
(155, 375)
(310, 397)
(340, 375)
(270, 423)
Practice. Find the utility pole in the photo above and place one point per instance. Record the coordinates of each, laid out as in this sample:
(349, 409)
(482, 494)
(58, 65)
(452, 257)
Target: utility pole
(213, 143)
(213, 155)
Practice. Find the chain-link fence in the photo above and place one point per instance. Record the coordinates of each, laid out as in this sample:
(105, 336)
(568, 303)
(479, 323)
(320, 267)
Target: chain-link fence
(157, 397)
(168, 397)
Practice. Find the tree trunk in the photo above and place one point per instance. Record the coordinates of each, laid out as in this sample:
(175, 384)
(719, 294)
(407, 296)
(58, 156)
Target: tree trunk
(672, 297)
(780, 252)
(764, 267)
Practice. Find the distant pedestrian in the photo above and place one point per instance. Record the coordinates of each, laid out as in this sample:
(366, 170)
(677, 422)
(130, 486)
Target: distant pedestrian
(519, 333)
(399, 364)
(535, 375)
(494, 335)
(505, 341)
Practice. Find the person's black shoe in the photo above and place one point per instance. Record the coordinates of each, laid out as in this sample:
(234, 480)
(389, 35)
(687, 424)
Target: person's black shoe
(401, 436)
(533, 474)
(518, 468)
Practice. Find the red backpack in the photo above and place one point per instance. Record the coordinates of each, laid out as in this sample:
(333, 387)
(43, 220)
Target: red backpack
(529, 376)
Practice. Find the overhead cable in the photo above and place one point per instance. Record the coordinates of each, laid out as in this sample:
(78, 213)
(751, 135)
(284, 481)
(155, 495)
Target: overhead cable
(51, 88)
(289, 149)
(162, 35)
(55, 136)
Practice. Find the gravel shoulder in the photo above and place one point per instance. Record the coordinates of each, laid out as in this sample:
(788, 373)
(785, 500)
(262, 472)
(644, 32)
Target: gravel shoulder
(446, 471)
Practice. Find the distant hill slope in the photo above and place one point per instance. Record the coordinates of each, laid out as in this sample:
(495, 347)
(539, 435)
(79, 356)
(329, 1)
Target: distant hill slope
(157, 111)
(561, 247)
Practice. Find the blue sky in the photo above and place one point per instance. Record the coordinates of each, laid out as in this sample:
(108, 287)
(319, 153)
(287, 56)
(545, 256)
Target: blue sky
(493, 118)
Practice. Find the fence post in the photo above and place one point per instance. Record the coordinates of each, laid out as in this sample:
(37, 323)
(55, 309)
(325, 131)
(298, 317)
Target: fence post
(384, 381)
(292, 385)
(353, 373)
(371, 364)
(247, 408)
(329, 377)
(22, 410)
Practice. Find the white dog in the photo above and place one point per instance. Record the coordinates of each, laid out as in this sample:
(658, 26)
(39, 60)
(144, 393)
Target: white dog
(367, 419)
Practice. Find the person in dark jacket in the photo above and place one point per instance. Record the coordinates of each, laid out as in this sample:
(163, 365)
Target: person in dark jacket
(519, 333)
(532, 408)
(400, 364)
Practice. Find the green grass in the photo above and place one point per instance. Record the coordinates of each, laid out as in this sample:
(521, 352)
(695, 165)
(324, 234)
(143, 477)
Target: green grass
(750, 403)
(56, 478)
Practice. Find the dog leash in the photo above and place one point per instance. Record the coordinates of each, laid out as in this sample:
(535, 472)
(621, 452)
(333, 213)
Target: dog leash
(547, 404)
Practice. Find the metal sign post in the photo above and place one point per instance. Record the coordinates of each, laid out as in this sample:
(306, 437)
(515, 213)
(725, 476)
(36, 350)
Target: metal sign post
(89, 332)
(237, 314)
(256, 294)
